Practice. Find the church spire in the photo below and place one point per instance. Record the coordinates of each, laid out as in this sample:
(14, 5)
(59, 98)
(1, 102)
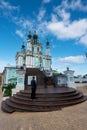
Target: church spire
(29, 35)
(35, 36)
(23, 47)
(47, 48)
(47, 43)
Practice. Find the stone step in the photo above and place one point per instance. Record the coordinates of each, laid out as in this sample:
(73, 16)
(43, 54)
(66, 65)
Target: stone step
(46, 91)
(19, 107)
(51, 95)
(6, 108)
(45, 102)
(38, 108)
(46, 99)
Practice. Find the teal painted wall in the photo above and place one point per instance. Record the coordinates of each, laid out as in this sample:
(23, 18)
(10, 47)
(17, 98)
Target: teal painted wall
(20, 80)
(12, 76)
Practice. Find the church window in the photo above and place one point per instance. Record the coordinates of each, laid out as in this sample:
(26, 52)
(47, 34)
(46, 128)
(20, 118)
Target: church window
(32, 49)
(38, 49)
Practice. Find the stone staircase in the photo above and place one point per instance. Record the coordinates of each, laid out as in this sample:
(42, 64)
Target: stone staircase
(46, 100)
(40, 77)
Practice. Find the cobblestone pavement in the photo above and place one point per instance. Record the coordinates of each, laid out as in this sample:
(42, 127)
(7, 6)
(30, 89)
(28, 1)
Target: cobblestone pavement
(69, 118)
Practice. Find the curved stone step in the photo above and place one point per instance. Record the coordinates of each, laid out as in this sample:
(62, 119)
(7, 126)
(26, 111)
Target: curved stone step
(7, 108)
(61, 90)
(45, 99)
(43, 104)
(17, 107)
(48, 95)
(40, 108)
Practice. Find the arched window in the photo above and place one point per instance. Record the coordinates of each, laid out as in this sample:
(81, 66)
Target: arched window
(38, 49)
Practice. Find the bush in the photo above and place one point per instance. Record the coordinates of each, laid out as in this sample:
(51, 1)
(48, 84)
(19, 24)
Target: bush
(7, 89)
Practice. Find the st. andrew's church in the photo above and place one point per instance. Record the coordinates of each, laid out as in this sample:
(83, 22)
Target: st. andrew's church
(30, 61)
(32, 56)
(52, 94)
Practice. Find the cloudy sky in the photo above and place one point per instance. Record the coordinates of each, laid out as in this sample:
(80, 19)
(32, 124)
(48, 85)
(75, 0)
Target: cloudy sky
(63, 22)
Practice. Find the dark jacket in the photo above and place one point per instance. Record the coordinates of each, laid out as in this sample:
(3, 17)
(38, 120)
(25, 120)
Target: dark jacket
(33, 83)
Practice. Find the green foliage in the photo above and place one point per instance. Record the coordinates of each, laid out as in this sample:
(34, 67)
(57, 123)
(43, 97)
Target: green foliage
(58, 74)
(75, 76)
(7, 89)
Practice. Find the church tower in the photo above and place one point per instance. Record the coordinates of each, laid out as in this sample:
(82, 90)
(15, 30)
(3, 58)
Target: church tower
(20, 57)
(29, 45)
(47, 48)
(48, 57)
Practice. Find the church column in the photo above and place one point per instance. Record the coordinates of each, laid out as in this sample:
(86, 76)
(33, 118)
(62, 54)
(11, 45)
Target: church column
(29, 44)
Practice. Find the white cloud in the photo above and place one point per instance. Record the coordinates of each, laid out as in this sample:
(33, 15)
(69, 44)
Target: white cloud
(72, 59)
(74, 5)
(61, 25)
(73, 30)
(76, 63)
(65, 16)
(41, 14)
(42, 29)
(54, 18)
(20, 33)
(46, 1)
(23, 22)
(61, 63)
(77, 5)
(27, 24)
(83, 40)
(7, 5)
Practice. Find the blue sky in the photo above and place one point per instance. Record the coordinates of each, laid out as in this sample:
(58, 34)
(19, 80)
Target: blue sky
(63, 22)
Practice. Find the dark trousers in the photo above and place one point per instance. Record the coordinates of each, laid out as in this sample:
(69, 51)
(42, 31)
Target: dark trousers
(33, 93)
(45, 83)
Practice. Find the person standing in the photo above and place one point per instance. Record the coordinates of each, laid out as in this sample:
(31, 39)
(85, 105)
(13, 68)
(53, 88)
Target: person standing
(45, 81)
(33, 88)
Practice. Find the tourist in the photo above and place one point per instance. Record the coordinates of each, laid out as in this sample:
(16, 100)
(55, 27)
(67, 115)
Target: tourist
(54, 78)
(45, 81)
(33, 88)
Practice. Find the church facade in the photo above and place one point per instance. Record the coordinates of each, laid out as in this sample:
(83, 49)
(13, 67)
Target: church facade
(32, 56)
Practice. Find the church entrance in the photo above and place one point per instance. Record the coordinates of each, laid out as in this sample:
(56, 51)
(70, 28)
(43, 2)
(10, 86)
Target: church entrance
(39, 77)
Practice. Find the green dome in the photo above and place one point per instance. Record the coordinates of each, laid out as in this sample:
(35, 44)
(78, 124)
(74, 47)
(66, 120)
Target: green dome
(47, 43)
(35, 36)
(29, 35)
(23, 46)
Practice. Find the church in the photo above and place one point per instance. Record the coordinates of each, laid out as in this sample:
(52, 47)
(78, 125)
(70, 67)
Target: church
(32, 56)
(30, 61)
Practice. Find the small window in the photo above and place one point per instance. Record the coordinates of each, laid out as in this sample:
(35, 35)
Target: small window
(32, 49)
(38, 49)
